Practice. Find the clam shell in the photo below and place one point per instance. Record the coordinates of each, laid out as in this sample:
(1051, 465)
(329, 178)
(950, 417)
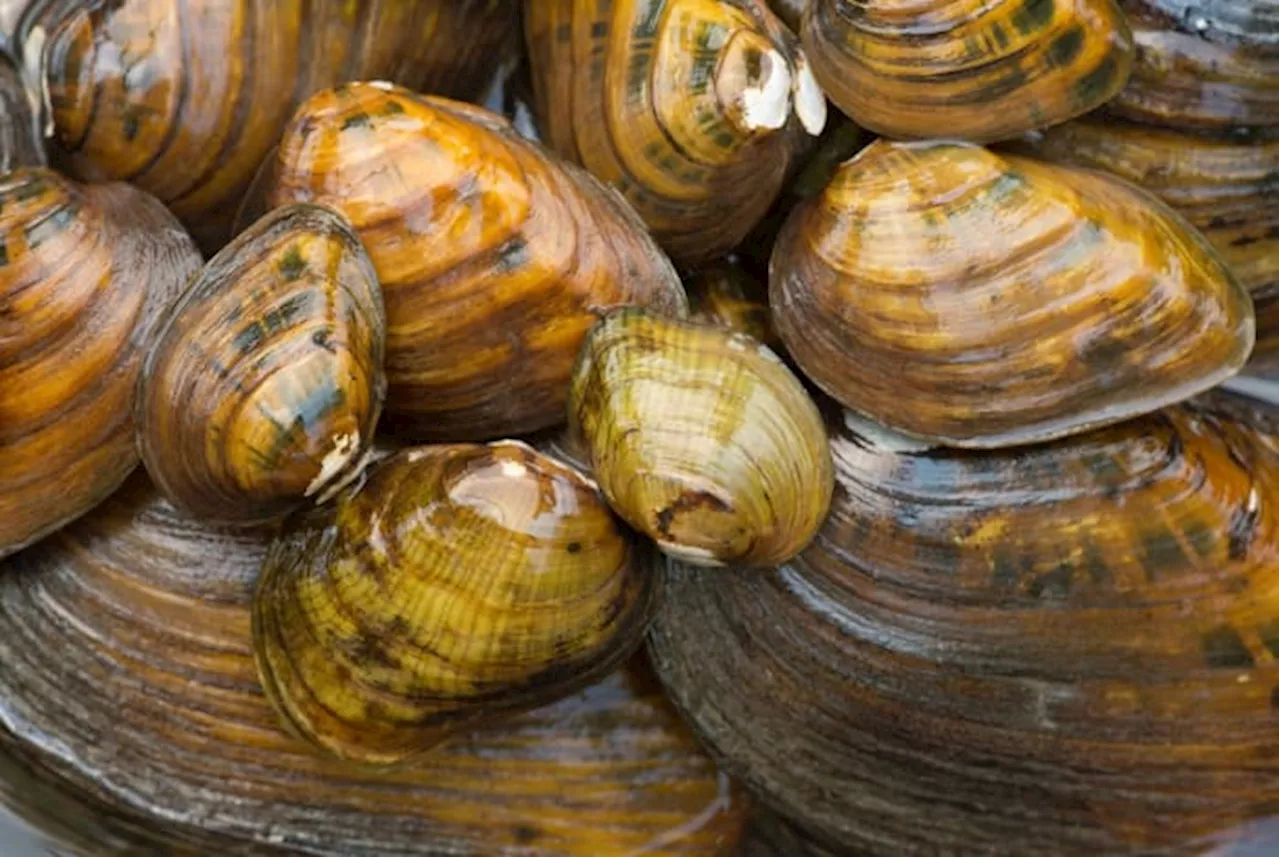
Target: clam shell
(1063, 649)
(965, 69)
(135, 724)
(85, 272)
(700, 438)
(265, 382)
(980, 300)
(457, 585)
(693, 109)
(494, 259)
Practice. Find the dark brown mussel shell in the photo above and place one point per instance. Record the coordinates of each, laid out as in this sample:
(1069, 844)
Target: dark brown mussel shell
(725, 293)
(693, 109)
(456, 585)
(983, 300)
(132, 712)
(494, 258)
(20, 141)
(1202, 65)
(266, 379)
(184, 98)
(85, 271)
(1063, 649)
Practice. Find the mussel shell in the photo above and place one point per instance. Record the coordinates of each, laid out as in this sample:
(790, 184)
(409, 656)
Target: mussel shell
(790, 11)
(1061, 649)
(129, 686)
(266, 379)
(700, 438)
(494, 259)
(693, 109)
(726, 294)
(981, 300)
(456, 585)
(184, 98)
(20, 143)
(85, 272)
(967, 69)
(1202, 65)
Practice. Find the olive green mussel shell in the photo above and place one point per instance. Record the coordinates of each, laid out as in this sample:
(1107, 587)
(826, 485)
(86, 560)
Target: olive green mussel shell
(458, 584)
(1210, 65)
(1059, 649)
(967, 69)
(132, 708)
(184, 98)
(494, 258)
(85, 272)
(1224, 187)
(266, 379)
(700, 438)
(693, 109)
(1086, 301)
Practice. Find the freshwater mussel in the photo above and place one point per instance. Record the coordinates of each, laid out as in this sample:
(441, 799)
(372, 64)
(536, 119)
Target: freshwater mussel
(494, 258)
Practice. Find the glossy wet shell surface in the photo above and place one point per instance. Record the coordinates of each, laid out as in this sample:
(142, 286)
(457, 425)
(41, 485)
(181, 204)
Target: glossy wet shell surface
(458, 584)
(965, 69)
(701, 439)
(84, 274)
(1204, 65)
(1065, 649)
(184, 98)
(266, 381)
(130, 679)
(494, 259)
(693, 109)
(1224, 187)
(1086, 302)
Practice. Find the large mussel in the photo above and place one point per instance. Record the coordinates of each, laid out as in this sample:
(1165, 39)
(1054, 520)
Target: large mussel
(494, 259)
(131, 704)
(981, 300)
(1058, 649)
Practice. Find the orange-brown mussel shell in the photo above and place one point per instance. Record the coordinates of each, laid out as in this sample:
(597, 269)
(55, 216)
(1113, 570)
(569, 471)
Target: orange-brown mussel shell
(1063, 649)
(129, 686)
(967, 69)
(456, 585)
(184, 98)
(85, 272)
(266, 380)
(693, 109)
(978, 300)
(494, 259)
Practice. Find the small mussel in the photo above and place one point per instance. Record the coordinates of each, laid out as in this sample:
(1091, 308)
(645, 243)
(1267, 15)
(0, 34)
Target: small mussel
(266, 379)
(980, 300)
(494, 258)
(1064, 649)
(701, 438)
(693, 109)
(85, 272)
(967, 69)
(457, 584)
(135, 724)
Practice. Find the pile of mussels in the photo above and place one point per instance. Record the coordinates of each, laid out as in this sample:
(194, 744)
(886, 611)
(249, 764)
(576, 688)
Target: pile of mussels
(937, 545)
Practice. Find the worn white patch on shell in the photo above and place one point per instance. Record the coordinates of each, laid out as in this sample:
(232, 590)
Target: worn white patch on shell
(767, 105)
(384, 85)
(811, 104)
(37, 83)
(344, 446)
(690, 555)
